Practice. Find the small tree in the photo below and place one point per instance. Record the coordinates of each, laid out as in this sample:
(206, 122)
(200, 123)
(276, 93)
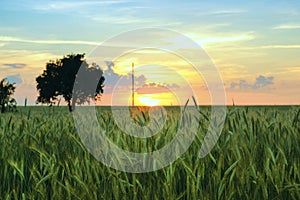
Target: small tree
(6, 91)
(59, 79)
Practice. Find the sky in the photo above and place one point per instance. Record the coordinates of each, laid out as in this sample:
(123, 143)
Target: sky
(254, 45)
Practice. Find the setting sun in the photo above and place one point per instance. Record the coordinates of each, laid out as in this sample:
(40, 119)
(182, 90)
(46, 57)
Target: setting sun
(148, 101)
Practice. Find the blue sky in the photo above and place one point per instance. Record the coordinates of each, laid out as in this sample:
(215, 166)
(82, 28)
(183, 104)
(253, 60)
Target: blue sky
(247, 40)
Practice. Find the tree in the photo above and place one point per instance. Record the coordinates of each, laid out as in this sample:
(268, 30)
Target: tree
(6, 91)
(59, 79)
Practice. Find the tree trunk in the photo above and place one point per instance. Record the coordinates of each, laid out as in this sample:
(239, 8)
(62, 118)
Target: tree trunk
(70, 106)
(2, 108)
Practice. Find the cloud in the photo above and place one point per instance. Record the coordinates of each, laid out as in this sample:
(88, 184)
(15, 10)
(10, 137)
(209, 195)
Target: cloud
(227, 39)
(14, 79)
(67, 5)
(75, 42)
(260, 83)
(211, 39)
(284, 46)
(263, 81)
(123, 81)
(287, 26)
(151, 88)
(280, 47)
(227, 12)
(242, 85)
(16, 65)
(120, 19)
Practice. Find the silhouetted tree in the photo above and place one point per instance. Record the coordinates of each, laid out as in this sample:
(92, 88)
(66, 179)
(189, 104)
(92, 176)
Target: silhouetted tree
(59, 79)
(6, 91)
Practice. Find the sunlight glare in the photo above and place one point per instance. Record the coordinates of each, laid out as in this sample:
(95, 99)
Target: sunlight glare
(148, 101)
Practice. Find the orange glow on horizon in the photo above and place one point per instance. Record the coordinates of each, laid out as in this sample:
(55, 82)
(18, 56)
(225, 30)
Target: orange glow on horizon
(148, 101)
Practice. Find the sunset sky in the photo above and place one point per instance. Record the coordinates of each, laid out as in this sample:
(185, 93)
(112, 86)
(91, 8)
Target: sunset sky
(254, 44)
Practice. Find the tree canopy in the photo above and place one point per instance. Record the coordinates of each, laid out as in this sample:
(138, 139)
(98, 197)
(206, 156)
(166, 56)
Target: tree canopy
(58, 79)
(6, 91)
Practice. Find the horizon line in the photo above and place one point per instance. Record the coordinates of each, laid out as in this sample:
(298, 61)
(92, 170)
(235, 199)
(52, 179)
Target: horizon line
(158, 105)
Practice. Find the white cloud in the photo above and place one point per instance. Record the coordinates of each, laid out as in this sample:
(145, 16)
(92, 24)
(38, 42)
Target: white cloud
(217, 39)
(227, 12)
(226, 39)
(119, 19)
(67, 5)
(76, 42)
(296, 46)
(280, 47)
(287, 26)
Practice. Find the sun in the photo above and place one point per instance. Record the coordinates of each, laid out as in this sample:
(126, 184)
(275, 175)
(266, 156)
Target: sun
(148, 101)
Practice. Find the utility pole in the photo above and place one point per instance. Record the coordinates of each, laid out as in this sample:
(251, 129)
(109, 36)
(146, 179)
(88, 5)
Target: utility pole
(132, 94)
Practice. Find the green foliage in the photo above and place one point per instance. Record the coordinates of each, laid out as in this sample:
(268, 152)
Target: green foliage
(256, 157)
(58, 79)
(7, 103)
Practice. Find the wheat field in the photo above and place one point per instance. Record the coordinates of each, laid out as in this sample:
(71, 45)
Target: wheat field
(256, 157)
